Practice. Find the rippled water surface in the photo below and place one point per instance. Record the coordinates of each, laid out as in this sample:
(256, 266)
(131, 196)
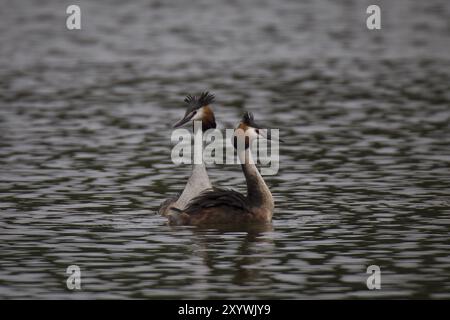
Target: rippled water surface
(85, 124)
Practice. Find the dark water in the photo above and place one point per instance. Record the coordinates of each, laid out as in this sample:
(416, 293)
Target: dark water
(85, 147)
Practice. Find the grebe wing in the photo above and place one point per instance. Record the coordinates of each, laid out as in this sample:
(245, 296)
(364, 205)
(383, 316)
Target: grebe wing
(166, 204)
(217, 197)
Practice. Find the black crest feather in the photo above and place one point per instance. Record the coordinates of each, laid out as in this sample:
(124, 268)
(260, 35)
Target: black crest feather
(196, 102)
(248, 118)
(189, 98)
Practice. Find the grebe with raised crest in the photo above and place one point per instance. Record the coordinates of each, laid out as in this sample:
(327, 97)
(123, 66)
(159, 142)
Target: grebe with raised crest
(198, 109)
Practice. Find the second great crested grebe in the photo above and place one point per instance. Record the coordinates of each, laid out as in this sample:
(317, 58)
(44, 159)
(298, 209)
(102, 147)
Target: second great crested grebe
(222, 206)
(198, 109)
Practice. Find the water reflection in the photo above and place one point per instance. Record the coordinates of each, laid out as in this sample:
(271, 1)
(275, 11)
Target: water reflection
(245, 248)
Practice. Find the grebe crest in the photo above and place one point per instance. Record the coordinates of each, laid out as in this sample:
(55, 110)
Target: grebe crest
(199, 109)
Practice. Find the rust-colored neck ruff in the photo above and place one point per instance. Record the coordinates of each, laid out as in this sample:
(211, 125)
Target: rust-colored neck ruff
(208, 119)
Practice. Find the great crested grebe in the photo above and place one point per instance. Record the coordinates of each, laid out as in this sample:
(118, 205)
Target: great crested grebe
(222, 206)
(198, 109)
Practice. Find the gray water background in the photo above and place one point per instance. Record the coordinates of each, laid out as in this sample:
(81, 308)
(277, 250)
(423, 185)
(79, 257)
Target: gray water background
(85, 124)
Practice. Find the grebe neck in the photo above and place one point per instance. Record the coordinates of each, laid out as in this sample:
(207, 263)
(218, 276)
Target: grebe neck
(258, 193)
(199, 180)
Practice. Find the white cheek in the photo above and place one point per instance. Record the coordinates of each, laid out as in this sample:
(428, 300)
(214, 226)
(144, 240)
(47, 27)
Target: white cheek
(251, 133)
(198, 115)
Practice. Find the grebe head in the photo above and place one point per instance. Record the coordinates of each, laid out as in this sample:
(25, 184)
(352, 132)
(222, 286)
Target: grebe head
(249, 130)
(199, 109)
